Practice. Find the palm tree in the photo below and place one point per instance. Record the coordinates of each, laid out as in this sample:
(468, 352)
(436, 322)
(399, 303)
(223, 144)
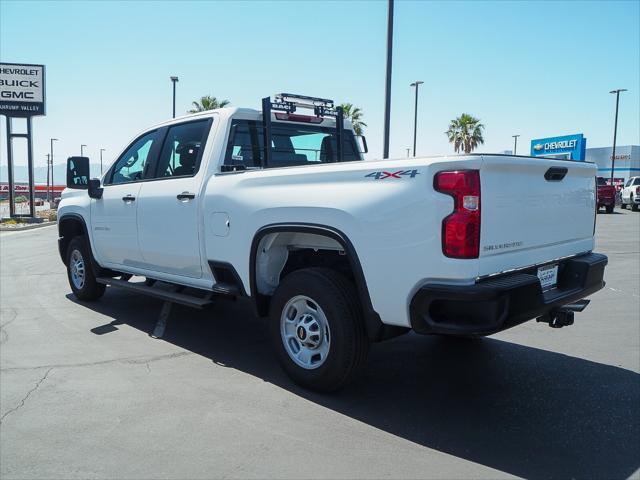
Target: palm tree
(355, 115)
(465, 132)
(208, 103)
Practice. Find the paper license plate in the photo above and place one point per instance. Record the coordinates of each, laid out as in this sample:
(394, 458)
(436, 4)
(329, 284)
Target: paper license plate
(548, 276)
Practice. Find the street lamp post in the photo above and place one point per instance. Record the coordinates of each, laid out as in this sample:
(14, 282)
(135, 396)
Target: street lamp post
(387, 89)
(174, 80)
(101, 150)
(416, 84)
(51, 160)
(48, 174)
(515, 144)
(82, 150)
(408, 150)
(615, 130)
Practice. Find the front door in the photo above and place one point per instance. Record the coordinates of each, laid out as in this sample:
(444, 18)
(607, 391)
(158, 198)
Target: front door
(114, 217)
(168, 208)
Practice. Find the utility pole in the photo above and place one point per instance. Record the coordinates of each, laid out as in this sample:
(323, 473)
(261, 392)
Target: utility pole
(615, 130)
(387, 90)
(416, 84)
(101, 150)
(174, 80)
(48, 172)
(51, 158)
(515, 144)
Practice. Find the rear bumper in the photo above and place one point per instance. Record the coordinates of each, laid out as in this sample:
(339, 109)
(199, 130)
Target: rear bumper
(502, 302)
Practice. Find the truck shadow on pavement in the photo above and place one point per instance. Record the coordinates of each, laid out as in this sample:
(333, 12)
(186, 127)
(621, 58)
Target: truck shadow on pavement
(522, 410)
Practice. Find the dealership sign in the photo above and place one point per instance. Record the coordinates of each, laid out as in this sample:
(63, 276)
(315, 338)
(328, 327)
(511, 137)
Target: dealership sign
(567, 146)
(22, 92)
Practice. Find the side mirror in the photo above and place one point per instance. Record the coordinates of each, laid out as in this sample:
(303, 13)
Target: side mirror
(78, 173)
(95, 190)
(362, 144)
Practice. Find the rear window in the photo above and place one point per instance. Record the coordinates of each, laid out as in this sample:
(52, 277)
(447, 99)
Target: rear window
(291, 145)
(636, 181)
(601, 181)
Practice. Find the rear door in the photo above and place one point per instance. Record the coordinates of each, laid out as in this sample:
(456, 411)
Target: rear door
(534, 210)
(168, 210)
(114, 216)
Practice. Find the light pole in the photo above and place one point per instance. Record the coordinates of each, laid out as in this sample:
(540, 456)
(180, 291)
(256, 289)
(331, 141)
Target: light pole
(615, 130)
(51, 159)
(408, 150)
(174, 80)
(101, 150)
(82, 150)
(515, 143)
(416, 84)
(387, 89)
(48, 174)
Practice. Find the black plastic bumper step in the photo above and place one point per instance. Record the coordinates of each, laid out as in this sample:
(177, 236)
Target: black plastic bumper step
(154, 291)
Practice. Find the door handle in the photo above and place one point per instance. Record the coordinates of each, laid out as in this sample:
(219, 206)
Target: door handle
(129, 198)
(186, 196)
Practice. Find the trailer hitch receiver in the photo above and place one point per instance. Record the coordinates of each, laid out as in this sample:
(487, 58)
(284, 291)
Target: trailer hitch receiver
(563, 316)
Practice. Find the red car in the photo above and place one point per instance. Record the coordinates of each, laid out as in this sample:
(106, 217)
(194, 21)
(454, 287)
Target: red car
(606, 195)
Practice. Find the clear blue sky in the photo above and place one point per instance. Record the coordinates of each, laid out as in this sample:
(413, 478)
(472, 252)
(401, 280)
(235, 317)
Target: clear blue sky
(532, 68)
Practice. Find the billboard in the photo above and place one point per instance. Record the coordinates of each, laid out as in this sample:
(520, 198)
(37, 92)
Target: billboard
(572, 147)
(22, 92)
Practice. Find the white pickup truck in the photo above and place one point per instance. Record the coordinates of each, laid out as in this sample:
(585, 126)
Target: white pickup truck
(278, 208)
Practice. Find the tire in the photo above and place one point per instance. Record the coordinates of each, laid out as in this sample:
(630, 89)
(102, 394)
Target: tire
(623, 206)
(609, 208)
(634, 207)
(321, 311)
(82, 278)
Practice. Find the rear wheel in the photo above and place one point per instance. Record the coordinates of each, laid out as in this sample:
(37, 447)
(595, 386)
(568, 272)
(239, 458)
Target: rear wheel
(609, 208)
(317, 328)
(623, 205)
(80, 272)
(634, 206)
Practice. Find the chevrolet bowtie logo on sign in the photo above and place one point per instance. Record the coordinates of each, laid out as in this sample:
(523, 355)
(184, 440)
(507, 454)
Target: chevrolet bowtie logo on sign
(538, 146)
(22, 91)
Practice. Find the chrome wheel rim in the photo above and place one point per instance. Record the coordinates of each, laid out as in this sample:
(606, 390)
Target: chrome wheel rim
(305, 333)
(78, 273)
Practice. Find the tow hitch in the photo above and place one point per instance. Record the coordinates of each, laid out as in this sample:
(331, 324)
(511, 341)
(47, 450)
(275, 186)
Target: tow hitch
(563, 316)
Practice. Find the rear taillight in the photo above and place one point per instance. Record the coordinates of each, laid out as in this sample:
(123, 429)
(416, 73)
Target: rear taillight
(461, 229)
(637, 190)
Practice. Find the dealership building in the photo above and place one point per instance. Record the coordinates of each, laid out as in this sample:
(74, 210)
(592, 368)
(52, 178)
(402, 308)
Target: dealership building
(574, 147)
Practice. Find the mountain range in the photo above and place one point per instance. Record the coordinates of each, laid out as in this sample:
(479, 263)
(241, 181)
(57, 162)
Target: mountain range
(21, 173)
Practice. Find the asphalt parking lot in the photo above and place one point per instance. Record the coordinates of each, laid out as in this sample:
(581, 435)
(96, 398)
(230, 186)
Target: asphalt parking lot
(87, 393)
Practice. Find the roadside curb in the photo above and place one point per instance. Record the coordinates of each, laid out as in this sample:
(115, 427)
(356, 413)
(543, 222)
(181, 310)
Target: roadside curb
(27, 227)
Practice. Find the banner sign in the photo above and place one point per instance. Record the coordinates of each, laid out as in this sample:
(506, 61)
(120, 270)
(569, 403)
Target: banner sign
(24, 189)
(22, 92)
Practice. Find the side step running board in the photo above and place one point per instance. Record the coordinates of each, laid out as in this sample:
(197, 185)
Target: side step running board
(152, 291)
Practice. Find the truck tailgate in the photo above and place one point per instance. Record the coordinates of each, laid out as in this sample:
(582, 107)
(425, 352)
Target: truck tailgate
(532, 213)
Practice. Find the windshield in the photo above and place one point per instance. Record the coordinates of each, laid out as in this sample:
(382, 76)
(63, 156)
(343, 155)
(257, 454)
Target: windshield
(291, 145)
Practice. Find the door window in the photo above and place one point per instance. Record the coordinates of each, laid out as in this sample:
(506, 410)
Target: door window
(130, 166)
(182, 149)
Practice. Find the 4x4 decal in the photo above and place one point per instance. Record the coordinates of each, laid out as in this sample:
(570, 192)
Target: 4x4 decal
(398, 174)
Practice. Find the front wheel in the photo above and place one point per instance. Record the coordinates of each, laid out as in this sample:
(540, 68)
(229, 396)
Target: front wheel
(80, 272)
(317, 328)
